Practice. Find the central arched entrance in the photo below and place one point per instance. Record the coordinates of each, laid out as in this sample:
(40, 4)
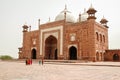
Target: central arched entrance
(115, 57)
(73, 53)
(51, 48)
(33, 54)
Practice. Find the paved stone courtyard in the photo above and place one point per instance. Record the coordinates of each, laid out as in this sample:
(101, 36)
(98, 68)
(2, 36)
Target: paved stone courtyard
(16, 70)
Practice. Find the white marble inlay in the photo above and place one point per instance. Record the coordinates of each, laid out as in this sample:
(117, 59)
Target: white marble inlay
(54, 34)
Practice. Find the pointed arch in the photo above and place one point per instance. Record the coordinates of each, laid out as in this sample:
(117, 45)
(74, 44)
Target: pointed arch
(103, 38)
(50, 47)
(73, 53)
(97, 36)
(34, 54)
(115, 57)
(100, 37)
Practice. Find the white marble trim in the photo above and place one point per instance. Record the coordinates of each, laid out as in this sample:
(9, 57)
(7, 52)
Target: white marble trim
(52, 29)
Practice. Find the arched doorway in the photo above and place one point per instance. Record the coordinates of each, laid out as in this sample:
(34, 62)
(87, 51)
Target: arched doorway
(73, 53)
(33, 53)
(50, 48)
(115, 57)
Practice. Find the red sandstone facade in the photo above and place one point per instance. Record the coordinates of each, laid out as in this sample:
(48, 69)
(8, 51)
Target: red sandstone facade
(112, 55)
(64, 40)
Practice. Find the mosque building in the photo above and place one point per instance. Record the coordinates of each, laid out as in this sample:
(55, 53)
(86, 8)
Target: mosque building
(69, 39)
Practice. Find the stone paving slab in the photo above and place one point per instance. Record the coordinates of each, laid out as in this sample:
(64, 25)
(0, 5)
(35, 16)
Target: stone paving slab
(20, 71)
(110, 64)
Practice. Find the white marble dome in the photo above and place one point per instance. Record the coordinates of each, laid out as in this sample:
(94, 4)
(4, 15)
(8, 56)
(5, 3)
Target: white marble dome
(69, 16)
(83, 17)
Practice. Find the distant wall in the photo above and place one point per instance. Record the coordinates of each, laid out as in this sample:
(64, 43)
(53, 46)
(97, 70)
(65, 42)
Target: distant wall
(112, 55)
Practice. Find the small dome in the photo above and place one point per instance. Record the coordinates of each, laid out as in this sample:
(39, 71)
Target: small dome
(25, 26)
(69, 16)
(103, 20)
(91, 10)
(83, 16)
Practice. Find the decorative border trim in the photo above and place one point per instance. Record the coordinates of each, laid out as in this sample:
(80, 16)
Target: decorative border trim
(51, 29)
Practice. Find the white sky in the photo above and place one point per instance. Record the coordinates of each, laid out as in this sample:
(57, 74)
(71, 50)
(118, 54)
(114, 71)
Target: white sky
(15, 13)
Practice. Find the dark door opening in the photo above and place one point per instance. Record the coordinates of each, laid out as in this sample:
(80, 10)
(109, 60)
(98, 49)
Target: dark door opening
(73, 53)
(56, 57)
(115, 57)
(33, 54)
(50, 46)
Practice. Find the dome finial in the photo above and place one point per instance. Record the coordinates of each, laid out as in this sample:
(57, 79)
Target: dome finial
(30, 28)
(84, 10)
(65, 7)
(65, 15)
(91, 6)
(38, 22)
(79, 17)
(103, 17)
(49, 19)
(25, 23)
(104, 22)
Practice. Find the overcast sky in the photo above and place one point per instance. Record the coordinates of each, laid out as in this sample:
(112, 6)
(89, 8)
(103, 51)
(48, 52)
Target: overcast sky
(15, 13)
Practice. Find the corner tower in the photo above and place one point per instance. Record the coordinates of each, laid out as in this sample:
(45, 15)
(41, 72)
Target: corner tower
(104, 22)
(91, 13)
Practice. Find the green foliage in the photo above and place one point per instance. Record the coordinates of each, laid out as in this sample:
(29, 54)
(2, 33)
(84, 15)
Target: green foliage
(6, 57)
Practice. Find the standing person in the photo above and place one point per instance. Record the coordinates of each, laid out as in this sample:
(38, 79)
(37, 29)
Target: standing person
(30, 61)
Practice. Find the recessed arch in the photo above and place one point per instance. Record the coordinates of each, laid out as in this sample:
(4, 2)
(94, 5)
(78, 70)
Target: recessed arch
(73, 53)
(34, 54)
(97, 36)
(115, 57)
(50, 48)
(100, 37)
(104, 38)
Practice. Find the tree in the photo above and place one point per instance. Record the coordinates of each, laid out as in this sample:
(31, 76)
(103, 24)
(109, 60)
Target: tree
(6, 57)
